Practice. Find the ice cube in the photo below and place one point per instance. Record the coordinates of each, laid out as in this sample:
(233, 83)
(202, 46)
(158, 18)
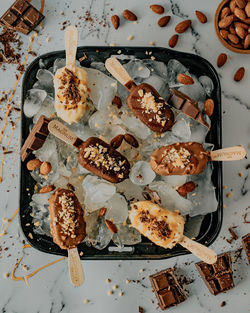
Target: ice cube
(193, 226)
(135, 126)
(104, 236)
(181, 128)
(126, 235)
(40, 213)
(207, 84)
(198, 131)
(41, 198)
(159, 84)
(97, 192)
(46, 109)
(117, 209)
(195, 91)
(137, 69)
(45, 81)
(102, 88)
(157, 68)
(175, 180)
(59, 63)
(99, 121)
(33, 101)
(130, 191)
(175, 68)
(98, 66)
(170, 198)
(141, 173)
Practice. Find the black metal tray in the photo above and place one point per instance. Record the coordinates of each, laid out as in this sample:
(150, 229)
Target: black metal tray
(145, 250)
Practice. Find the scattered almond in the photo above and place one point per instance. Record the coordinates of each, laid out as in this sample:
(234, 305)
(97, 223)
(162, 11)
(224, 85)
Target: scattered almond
(102, 211)
(115, 20)
(185, 79)
(128, 15)
(156, 8)
(46, 189)
(33, 164)
(183, 26)
(173, 41)
(238, 76)
(111, 226)
(226, 21)
(117, 141)
(201, 17)
(186, 188)
(209, 107)
(131, 140)
(233, 38)
(240, 13)
(163, 21)
(222, 59)
(45, 168)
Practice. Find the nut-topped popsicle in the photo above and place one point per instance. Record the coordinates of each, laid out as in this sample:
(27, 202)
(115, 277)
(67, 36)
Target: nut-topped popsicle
(190, 158)
(144, 101)
(71, 83)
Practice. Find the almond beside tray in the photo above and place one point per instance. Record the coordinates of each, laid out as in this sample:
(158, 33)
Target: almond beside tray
(146, 249)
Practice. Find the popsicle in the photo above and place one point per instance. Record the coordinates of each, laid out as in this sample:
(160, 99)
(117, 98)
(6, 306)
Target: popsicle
(71, 83)
(165, 229)
(95, 155)
(68, 229)
(144, 101)
(190, 158)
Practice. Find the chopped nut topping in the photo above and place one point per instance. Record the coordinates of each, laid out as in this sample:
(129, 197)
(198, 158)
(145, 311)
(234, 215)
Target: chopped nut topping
(179, 158)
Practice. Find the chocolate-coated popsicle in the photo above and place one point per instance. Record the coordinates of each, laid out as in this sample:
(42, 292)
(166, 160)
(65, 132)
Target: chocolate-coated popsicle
(144, 101)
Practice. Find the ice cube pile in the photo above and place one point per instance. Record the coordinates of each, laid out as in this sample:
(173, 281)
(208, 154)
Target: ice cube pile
(105, 120)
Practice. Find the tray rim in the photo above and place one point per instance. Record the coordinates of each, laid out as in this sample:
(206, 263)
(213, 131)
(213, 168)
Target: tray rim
(219, 211)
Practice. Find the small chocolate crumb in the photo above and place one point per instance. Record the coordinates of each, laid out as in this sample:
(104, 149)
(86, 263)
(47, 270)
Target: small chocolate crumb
(140, 309)
(234, 235)
(223, 303)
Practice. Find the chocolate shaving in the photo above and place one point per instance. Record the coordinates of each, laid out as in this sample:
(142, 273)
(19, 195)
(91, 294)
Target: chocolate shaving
(245, 218)
(234, 235)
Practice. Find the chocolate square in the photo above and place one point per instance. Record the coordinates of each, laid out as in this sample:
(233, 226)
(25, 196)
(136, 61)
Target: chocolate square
(206, 269)
(191, 110)
(9, 18)
(176, 102)
(246, 245)
(20, 6)
(160, 282)
(32, 16)
(166, 299)
(220, 265)
(226, 282)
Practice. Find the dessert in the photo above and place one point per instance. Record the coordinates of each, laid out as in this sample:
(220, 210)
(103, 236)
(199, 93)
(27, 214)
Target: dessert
(188, 106)
(95, 155)
(36, 138)
(144, 101)
(71, 83)
(218, 277)
(67, 219)
(167, 289)
(179, 159)
(246, 245)
(22, 17)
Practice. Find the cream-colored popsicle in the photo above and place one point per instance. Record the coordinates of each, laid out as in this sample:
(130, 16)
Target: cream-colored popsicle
(165, 229)
(71, 83)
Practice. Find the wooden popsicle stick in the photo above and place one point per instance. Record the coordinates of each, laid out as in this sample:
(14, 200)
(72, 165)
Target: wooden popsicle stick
(75, 268)
(202, 252)
(63, 133)
(71, 39)
(116, 69)
(228, 154)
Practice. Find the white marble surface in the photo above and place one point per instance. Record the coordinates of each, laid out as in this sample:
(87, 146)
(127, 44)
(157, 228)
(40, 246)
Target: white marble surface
(50, 290)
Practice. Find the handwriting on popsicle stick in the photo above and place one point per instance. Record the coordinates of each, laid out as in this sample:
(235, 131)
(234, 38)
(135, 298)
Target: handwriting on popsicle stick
(228, 154)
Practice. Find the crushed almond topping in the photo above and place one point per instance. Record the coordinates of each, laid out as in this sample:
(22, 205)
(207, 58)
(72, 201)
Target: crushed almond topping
(178, 158)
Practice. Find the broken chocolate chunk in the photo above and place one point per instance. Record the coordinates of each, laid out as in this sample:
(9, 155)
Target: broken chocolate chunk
(246, 245)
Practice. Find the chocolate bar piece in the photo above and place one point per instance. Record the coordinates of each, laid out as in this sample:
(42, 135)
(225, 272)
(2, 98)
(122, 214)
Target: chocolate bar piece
(167, 289)
(103, 160)
(36, 138)
(22, 17)
(187, 105)
(219, 276)
(246, 245)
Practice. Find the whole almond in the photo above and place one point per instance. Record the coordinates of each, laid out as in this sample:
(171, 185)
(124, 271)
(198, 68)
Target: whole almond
(185, 79)
(224, 33)
(117, 141)
(209, 107)
(241, 32)
(115, 20)
(241, 3)
(238, 46)
(232, 30)
(156, 8)
(102, 211)
(226, 21)
(45, 168)
(186, 188)
(233, 38)
(240, 24)
(247, 42)
(183, 26)
(128, 15)
(232, 5)
(173, 41)
(222, 59)
(163, 21)
(240, 13)
(238, 76)
(131, 140)
(46, 189)
(225, 12)
(247, 9)
(201, 17)
(111, 226)
(33, 164)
